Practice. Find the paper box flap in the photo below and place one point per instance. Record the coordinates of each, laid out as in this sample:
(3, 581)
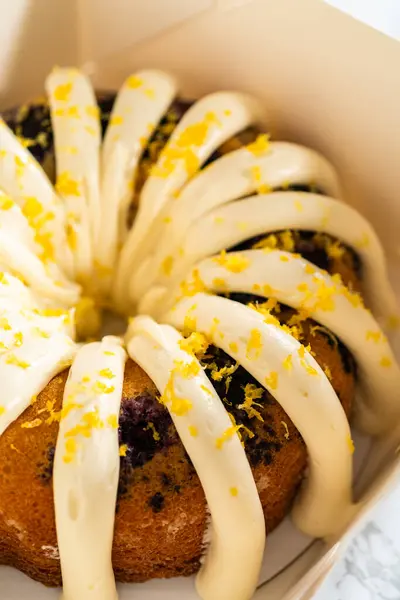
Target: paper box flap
(34, 37)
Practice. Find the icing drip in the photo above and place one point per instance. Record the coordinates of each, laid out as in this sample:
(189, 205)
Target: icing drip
(204, 127)
(34, 347)
(261, 347)
(18, 254)
(141, 103)
(76, 125)
(232, 564)
(14, 293)
(86, 470)
(25, 181)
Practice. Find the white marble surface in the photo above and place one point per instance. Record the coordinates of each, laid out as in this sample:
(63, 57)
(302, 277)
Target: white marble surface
(370, 569)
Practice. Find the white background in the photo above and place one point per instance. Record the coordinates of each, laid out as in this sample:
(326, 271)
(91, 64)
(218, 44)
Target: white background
(381, 14)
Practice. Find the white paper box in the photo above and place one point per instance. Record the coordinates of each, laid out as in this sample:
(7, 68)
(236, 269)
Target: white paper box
(327, 81)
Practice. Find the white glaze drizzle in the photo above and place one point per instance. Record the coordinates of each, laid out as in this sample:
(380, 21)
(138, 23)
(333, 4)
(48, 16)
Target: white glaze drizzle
(232, 563)
(257, 215)
(25, 181)
(324, 504)
(86, 470)
(205, 126)
(141, 102)
(18, 254)
(233, 176)
(14, 293)
(33, 349)
(77, 136)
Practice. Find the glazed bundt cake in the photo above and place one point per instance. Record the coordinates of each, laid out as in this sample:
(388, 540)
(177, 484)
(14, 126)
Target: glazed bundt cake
(174, 447)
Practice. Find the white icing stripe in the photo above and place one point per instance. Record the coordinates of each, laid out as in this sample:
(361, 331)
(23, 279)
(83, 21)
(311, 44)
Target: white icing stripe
(16, 258)
(77, 136)
(15, 231)
(233, 176)
(86, 470)
(295, 282)
(324, 505)
(13, 222)
(257, 215)
(141, 103)
(14, 294)
(35, 322)
(203, 128)
(19, 254)
(25, 181)
(233, 560)
(32, 352)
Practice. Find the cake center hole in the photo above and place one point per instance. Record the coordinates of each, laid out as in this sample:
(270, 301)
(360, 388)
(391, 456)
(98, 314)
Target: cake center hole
(94, 322)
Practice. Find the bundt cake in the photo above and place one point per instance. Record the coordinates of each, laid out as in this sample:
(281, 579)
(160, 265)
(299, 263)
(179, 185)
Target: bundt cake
(244, 282)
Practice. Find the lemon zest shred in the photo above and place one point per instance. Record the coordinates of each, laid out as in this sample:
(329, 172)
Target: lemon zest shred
(107, 373)
(123, 449)
(179, 406)
(71, 448)
(350, 444)
(63, 91)
(67, 186)
(112, 421)
(375, 336)
(233, 347)
(219, 283)
(14, 360)
(286, 434)
(271, 380)
(193, 430)
(101, 388)
(227, 435)
(254, 345)
(270, 242)
(252, 393)
(116, 120)
(134, 82)
(235, 263)
(386, 361)
(260, 146)
(187, 370)
(150, 426)
(287, 363)
(196, 344)
(298, 206)
(206, 390)
(194, 285)
(219, 374)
